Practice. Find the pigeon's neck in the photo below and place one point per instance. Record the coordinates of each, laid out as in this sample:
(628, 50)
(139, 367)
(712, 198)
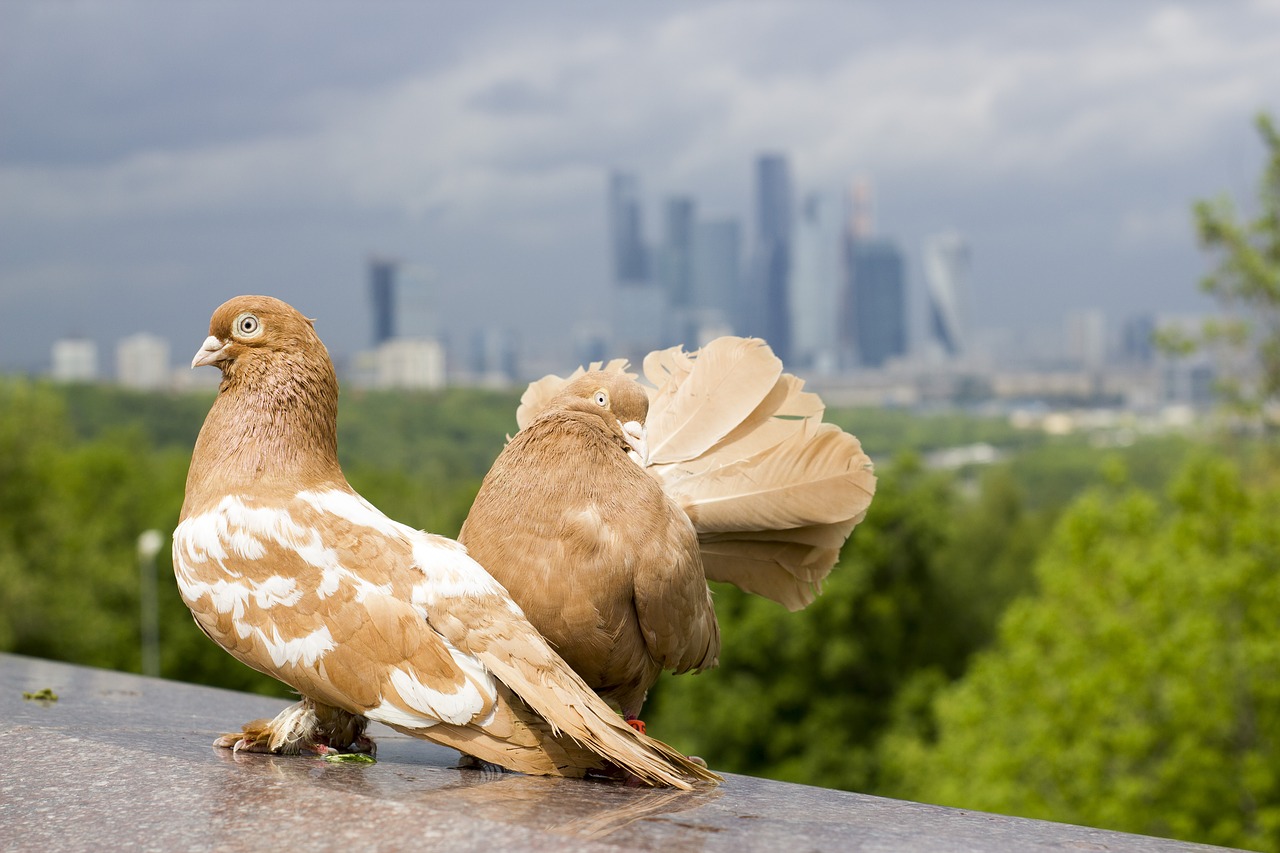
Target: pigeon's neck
(276, 431)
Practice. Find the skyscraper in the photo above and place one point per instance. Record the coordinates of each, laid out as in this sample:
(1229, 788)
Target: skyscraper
(946, 263)
(717, 264)
(816, 276)
(626, 224)
(765, 308)
(716, 278)
(639, 303)
(382, 289)
(676, 257)
(875, 301)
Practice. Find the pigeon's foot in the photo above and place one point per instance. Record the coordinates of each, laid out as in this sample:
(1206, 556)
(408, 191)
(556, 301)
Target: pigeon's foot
(636, 723)
(304, 727)
(470, 762)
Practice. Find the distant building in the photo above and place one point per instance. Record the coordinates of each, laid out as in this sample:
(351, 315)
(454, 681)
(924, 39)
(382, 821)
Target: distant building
(765, 307)
(142, 362)
(875, 304)
(382, 290)
(816, 276)
(1138, 340)
(1086, 333)
(493, 356)
(946, 264)
(626, 226)
(416, 306)
(75, 360)
(676, 258)
(640, 318)
(675, 268)
(410, 363)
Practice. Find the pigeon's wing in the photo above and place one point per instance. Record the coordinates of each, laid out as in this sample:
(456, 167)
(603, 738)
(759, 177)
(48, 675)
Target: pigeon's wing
(302, 593)
(332, 597)
(672, 600)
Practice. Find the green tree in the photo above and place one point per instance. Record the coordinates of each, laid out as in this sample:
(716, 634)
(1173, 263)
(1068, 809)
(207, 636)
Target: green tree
(1139, 689)
(1246, 283)
(803, 696)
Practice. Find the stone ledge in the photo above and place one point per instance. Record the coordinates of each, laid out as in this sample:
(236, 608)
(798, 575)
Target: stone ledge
(123, 761)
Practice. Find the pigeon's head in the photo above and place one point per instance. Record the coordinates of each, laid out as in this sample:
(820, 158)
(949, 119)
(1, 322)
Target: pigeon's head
(614, 396)
(248, 328)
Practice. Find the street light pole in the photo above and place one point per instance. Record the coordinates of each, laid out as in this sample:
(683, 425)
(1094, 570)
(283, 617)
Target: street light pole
(149, 544)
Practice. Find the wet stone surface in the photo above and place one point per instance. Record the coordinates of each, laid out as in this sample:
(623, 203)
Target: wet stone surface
(122, 761)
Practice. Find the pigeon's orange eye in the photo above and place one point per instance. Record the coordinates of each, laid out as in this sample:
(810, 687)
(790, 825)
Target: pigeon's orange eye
(247, 325)
(601, 398)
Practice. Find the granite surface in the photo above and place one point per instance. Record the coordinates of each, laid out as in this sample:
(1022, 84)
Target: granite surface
(121, 761)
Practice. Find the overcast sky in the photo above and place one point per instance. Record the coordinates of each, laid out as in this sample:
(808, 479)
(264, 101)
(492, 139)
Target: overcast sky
(159, 157)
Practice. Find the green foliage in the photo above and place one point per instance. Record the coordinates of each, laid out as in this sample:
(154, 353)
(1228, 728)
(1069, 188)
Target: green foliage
(1139, 689)
(804, 696)
(1246, 282)
(886, 432)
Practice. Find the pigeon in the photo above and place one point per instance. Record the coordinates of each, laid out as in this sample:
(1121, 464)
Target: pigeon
(606, 514)
(290, 570)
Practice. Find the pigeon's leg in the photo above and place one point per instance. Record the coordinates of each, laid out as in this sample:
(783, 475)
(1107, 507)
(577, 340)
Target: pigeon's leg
(470, 762)
(635, 723)
(306, 726)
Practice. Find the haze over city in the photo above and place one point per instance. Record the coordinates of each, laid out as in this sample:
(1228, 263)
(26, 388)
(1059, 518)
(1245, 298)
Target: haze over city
(156, 159)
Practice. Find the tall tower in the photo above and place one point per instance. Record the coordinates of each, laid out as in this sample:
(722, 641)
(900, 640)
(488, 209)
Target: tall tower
(382, 290)
(816, 279)
(639, 304)
(676, 270)
(876, 301)
(626, 225)
(946, 265)
(767, 309)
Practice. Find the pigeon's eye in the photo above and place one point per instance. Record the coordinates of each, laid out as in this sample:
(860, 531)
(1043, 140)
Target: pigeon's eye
(247, 326)
(602, 398)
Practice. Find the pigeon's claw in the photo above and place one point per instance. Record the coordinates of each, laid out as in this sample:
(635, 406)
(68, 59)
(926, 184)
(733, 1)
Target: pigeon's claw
(304, 727)
(636, 723)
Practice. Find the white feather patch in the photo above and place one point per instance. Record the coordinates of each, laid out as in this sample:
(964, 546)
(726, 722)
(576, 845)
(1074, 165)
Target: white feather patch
(425, 706)
(305, 650)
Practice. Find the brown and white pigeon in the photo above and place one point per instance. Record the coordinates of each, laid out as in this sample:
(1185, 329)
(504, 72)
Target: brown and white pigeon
(611, 507)
(285, 566)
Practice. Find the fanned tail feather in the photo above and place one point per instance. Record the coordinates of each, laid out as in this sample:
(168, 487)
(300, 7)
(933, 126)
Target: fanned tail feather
(693, 411)
(806, 479)
(786, 566)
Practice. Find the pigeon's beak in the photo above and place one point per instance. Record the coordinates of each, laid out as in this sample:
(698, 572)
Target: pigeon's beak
(212, 351)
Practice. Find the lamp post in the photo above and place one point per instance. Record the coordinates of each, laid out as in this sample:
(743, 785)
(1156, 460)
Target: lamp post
(149, 544)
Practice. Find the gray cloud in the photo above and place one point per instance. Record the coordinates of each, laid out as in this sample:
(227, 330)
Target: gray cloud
(158, 158)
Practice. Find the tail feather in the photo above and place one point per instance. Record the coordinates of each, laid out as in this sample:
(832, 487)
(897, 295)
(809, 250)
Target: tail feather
(786, 566)
(727, 383)
(816, 479)
(570, 707)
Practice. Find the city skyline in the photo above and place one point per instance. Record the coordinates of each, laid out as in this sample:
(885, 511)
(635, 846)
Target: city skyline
(156, 159)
